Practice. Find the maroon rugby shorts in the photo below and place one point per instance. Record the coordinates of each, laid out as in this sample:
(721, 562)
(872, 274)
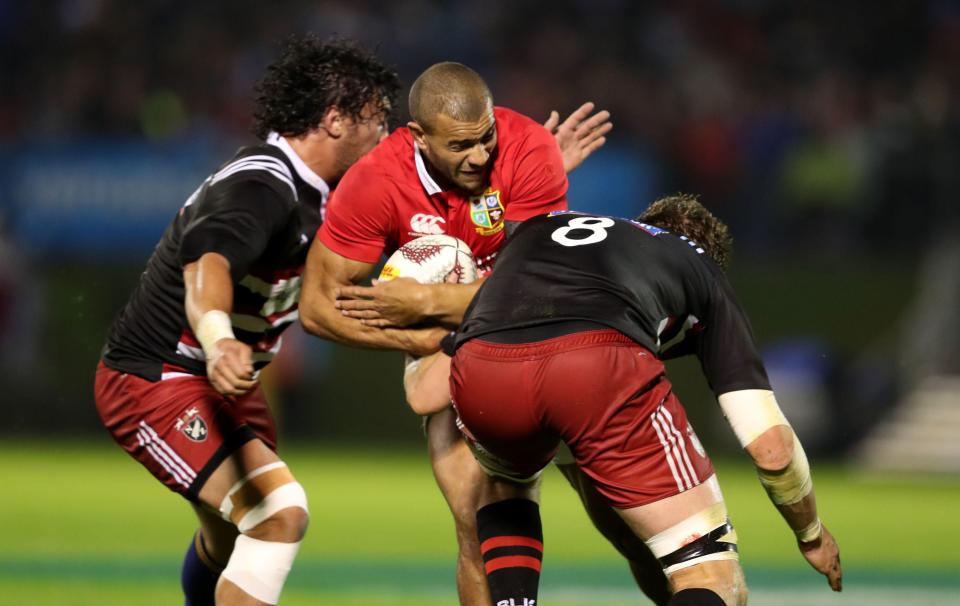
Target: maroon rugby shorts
(180, 428)
(604, 395)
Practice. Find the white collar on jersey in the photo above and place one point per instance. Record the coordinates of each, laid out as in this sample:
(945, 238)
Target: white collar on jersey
(303, 170)
(428, 183)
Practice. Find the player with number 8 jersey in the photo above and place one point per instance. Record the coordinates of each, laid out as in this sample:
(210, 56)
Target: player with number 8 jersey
(575, 324)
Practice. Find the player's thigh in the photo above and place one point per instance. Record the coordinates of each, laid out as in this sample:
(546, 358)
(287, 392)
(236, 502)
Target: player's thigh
(180, 429)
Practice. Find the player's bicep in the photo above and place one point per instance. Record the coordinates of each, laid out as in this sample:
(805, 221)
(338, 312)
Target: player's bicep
(236, 221)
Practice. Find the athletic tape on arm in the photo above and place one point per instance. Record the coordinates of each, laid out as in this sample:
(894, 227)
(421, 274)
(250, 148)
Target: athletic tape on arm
(751, 412)
(791, 484)
(213, 326)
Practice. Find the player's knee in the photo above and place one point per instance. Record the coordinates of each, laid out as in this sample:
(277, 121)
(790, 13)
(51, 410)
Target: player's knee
(268, 503)
(287, 525)
(270, 509)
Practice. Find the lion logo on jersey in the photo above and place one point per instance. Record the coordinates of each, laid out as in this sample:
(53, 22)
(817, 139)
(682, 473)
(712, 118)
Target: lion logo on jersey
(192, 425)
(486, 212)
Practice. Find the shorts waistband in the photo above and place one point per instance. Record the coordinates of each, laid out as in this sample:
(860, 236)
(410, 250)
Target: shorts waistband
(546, 347)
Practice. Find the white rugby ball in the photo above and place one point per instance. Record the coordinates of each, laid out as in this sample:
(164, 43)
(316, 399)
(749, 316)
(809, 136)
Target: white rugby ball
(432, 260)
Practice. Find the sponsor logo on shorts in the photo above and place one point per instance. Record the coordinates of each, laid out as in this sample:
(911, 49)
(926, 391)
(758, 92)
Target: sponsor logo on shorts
(512, 602)
(423, 224)
(192, 425)
(486, 212)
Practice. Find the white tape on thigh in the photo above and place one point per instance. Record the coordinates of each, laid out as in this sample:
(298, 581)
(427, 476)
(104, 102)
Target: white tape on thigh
(226, 506)
(260, 568)
(791, 484)
(751, 412)
(698, 525)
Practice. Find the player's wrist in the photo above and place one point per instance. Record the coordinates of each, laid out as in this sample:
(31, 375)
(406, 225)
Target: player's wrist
(213, 326)
(810, 534)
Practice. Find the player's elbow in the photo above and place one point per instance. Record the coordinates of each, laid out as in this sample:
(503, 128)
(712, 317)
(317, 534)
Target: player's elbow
(314, 322)
(773, 449)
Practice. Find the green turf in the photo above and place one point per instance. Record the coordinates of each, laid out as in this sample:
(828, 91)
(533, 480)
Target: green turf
(86, 525)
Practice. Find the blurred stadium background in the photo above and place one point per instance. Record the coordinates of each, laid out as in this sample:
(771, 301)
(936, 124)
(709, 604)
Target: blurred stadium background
(826, 134)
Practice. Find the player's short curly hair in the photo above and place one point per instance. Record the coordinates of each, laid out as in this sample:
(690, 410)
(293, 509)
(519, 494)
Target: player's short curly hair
(313, 75)
(684, 215)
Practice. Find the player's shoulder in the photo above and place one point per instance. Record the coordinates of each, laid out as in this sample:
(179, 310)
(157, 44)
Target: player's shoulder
(391, 159)
(254, 165)
(512, 126)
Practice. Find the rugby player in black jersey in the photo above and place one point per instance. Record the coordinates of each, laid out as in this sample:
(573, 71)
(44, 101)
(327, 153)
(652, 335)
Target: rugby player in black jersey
(564, 342)
(177, 384)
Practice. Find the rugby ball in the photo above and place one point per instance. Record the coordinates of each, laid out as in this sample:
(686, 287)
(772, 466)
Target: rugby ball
(432, 259)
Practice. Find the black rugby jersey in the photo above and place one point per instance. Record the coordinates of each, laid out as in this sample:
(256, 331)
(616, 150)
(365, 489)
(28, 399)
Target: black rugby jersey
(260, 210)
(663, 291)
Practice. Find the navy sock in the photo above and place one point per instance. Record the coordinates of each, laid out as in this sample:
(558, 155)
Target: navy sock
(199, 574)
(511, 541)
(695, 597)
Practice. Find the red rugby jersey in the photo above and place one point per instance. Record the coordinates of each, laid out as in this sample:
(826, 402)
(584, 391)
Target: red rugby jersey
(388, 198)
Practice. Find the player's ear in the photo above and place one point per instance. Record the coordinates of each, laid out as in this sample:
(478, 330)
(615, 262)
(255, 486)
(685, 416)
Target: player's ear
(418, 134)
(332, 122)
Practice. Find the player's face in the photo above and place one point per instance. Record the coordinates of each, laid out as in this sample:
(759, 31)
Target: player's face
(461, 152)
(360, 135)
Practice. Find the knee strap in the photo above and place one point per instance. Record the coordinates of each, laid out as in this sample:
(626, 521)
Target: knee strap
(713, 539)
(260, 494)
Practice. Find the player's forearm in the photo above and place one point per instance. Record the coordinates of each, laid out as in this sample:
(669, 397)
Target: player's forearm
(447, 303)
(321, 319)
(784, 472)
(209, 298)
(208, 286)
(781, 463)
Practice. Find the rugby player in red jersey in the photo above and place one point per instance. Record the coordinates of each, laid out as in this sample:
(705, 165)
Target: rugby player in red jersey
(177, 385)
(465, 168)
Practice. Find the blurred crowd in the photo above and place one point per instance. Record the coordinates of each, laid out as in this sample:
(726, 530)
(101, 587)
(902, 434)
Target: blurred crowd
(825, 122)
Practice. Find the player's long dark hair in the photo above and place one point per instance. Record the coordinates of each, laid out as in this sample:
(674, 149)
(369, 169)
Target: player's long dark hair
(684, 215)
(311, 76)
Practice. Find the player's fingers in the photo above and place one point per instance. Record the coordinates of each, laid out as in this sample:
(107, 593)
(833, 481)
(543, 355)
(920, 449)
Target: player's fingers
(377, 322)
(355, 304)
(596, 121)
(361, 314)
(579, 115)
(352, 292)
(600, 131)
(552, 121)
(589, 149)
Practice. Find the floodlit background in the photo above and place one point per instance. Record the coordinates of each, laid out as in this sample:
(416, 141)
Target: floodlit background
(826, 134)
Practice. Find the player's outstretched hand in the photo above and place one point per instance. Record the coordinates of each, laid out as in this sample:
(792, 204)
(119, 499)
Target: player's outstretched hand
(824, 555)
(398, 302)
(230, 367)
(580, 134)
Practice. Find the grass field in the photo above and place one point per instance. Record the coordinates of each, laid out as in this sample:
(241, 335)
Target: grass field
(85, 525)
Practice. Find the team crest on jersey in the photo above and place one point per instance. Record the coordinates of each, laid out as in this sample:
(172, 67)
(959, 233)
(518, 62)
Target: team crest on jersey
(486, 212)
(192, 425)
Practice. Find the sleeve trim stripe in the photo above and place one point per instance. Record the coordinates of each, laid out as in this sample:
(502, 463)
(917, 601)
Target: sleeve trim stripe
(262, 163)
